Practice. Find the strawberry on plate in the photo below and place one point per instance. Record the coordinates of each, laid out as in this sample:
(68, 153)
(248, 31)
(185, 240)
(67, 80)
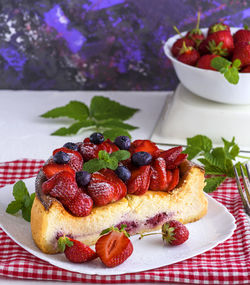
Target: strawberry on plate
(114, 247)
(174, 233)
(75, 251)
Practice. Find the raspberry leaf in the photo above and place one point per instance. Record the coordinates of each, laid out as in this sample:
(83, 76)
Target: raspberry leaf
(115, 132)
(103, 108)
(23, 201)
(74, 128)
(213, 182)
(116, 124)
(74, 110)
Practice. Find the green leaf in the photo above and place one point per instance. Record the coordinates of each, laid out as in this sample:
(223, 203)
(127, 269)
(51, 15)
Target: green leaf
(220, 63)
(102, 108)
(236, 63)
(102, 154)
(192, 152)
(113, 133)
(209, 168)
(106, 231)
(74, 110)
(121, 155)
(20, 191)
(94, 165)
(116, 124)
(26, 212)
(112, 163)
(32, 197)
(14, 207)
(212, 183)
(231, 148)
(196, 145)
(232, 75)
(74, 128)
(217, 157)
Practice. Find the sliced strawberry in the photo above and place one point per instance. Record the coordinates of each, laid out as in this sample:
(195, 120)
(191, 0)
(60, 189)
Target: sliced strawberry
(175, 179)
(113, 248)
(81, 205)
(76, 251)
(144, 145)
(169, 176)
(102, 190)
(170, 156)
(89, 150)
(61, 186)
(76, 160)
(121, 188)
(139, 182)
(52, 168)
(158, 180)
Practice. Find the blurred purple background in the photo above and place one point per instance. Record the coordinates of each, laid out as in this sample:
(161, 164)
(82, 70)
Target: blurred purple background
(99, 44)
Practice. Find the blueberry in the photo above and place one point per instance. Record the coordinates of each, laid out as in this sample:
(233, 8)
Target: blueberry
(61, 157)
(141, 158)
(123, 173)
(82, 178)
(123, 142)
(71, 145)
(97, 138)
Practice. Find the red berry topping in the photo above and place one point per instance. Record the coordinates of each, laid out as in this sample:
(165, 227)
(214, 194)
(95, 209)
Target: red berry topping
(76, 160)
(158, 180)
(139, 182)
(144, 145)
(114, 248)
(175, 179)
(172, 157)
(81, 205)
(76, 251)
(52, 168)
(61, 186)
(174, 233)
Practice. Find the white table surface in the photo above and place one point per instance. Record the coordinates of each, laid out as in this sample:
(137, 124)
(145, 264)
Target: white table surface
(26, 135)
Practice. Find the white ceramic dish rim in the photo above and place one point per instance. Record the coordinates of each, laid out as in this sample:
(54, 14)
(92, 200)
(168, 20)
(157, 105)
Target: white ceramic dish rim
(130, 266)
(168, 44)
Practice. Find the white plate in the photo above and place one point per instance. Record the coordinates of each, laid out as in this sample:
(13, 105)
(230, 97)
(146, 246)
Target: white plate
(149, 253)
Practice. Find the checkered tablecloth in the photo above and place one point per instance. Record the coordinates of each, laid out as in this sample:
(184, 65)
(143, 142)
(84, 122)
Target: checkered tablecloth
(227, 263)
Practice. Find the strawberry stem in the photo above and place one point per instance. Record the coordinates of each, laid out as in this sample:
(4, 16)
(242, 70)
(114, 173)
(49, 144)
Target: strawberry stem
(198, 20)
(150, 234)
(177, 31)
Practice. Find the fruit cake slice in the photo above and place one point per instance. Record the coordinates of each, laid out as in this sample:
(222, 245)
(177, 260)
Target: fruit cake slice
(140, 210)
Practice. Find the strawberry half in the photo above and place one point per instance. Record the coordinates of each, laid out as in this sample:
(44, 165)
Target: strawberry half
(175, 179)
(76, 160)
(75, 251)
(114, 248)
(89, 150)
(61, 186)
(102, 190)
(158, 180)
(52, 168)
(139, 182)
(144, 145)
(171, 155)
(81, 205)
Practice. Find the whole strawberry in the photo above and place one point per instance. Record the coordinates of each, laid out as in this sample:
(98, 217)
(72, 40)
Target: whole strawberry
(178, 44)
(242, 52)
(218, 27)
(174, 233)
(204, 61)
(114, 246)
(188, 55)
(242, 35)
(220, 43)
(75, 251)
(196, 34)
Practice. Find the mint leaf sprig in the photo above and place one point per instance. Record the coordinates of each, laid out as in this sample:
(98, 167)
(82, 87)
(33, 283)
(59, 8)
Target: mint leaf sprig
(23, 201)
(104, 115)
(106, 160)
(229, 69)
(218, 162)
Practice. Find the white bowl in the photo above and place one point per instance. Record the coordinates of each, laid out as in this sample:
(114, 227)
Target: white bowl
(210, 84)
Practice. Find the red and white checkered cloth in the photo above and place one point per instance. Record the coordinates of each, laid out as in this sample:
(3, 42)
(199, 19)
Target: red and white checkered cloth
(227, 263)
